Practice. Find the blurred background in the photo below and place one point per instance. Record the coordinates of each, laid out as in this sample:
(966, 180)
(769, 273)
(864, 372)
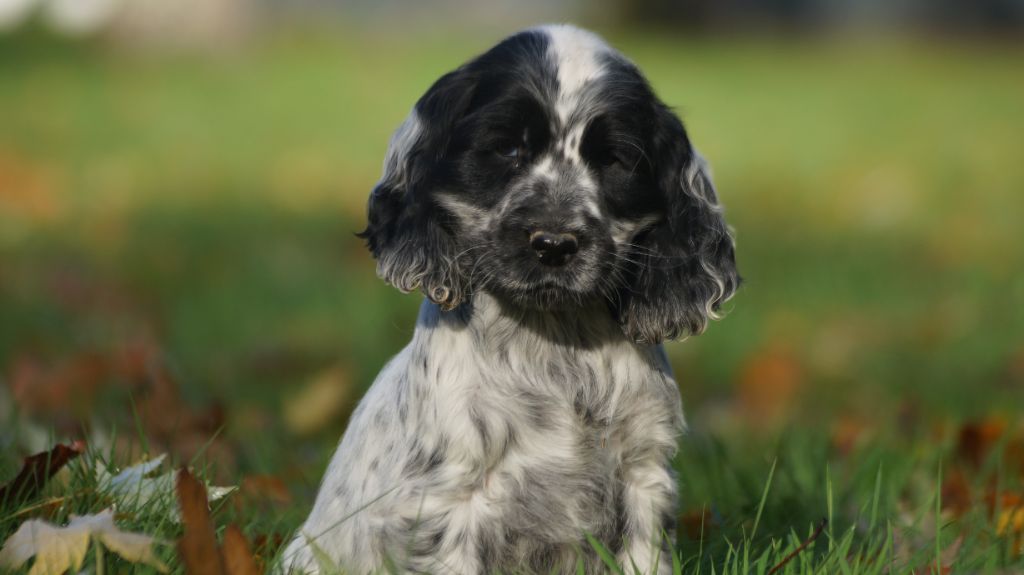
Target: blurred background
(180, 183)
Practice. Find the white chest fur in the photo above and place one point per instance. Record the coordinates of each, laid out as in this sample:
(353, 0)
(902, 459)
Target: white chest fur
(516, 431)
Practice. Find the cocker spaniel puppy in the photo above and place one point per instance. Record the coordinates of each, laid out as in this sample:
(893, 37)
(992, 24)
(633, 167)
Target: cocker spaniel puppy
(561, 226)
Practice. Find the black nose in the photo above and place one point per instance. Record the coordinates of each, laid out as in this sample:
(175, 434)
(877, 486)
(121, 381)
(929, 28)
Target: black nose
(553, 249)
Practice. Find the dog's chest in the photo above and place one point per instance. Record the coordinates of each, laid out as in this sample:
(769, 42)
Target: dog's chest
(560, 477)
(540, 430)
(569, 401)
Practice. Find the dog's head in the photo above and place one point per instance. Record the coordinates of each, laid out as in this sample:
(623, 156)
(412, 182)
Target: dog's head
(547, 173)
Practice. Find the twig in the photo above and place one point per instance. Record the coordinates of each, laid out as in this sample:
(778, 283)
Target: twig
(38, 506)
(804, 545)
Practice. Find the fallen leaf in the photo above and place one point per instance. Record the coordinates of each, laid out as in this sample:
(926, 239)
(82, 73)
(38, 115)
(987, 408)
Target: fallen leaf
(1010, 524)
(699, 523)
(1003, 500)
(59, 549)
(71, 385)
(37, 470)
(180, 428)
(29, 190)
(238, 557)
(134, 547)
(768, 385)
(265, 488)
(847, 431)
(64, 392)
(321, 402)
(130, 479)
(56, 549)
(977, 438)
(956, 492)
(134, 489)
(198, 545)
(268, 545)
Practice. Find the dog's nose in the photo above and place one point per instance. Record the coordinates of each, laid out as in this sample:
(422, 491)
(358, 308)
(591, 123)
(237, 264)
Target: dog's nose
(553, 249)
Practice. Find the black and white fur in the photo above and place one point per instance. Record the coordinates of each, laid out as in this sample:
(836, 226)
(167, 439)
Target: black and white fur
(535, 403)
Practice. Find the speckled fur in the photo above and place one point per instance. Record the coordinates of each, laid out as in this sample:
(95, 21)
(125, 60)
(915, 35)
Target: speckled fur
(497, 439)
(534, 405)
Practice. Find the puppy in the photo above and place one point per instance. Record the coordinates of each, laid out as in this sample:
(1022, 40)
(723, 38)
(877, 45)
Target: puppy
(561, 226)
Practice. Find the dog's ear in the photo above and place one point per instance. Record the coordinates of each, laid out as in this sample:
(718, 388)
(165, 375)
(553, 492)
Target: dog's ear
(407, 233)
(685, 265)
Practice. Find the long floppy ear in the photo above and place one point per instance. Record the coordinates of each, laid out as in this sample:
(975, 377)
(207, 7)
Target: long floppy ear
(406, 232)
(685, 265)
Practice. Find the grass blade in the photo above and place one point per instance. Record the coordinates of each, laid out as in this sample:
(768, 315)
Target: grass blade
(764, 498)
(605, 555)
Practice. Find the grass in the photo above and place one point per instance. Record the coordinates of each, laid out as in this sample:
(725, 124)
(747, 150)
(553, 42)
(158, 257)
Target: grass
(879, 513)
(202, 209)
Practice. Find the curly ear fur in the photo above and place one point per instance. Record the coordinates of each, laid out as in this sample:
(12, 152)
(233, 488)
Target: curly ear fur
(405, 230)
(686, 266)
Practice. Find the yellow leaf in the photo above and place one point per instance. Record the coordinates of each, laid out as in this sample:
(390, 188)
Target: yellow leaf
(1010, 524)
(56, 549)
(1010, 521)
(322, 401)
(60, 549)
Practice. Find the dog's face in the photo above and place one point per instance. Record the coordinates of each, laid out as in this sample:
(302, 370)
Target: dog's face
(547, 173)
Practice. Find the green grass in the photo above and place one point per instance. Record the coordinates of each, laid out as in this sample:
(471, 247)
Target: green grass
(205, 206)
(876, 511)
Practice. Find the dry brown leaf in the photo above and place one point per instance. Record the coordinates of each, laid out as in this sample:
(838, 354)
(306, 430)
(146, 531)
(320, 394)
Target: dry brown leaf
(51, 389)
(977, 438)
(37, 470)
(956, 492)
(66, 390)
(977, 441)
(29, 190)
(847, 431)
(173, 425)
(1005, 500)
(265, 488)
(238, 557)
(768, 384)
(268, 545)
(698, 523)
(198, 544)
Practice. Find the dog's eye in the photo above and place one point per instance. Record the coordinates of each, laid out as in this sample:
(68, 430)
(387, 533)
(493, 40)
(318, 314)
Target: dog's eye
(511, 147)
(626, 158)
(610, 157)
(510, 151)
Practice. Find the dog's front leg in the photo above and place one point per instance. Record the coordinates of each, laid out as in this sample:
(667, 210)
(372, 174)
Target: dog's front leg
(649, 500)
(461, 557)
(648, 484)
(449, 540)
